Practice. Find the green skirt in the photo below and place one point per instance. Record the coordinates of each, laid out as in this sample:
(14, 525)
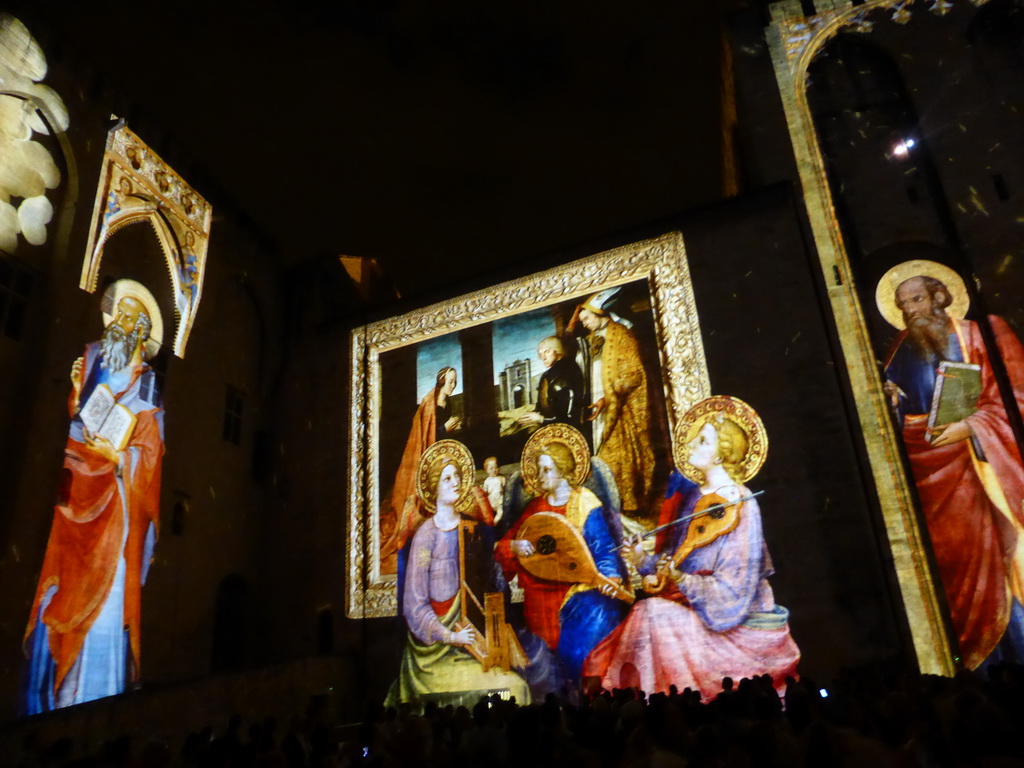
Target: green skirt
(448, 674)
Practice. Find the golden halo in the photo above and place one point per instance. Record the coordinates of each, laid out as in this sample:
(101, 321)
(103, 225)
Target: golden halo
(564, 434)
(441, 453)
(120, 289)
(885, 292)
(736, 410)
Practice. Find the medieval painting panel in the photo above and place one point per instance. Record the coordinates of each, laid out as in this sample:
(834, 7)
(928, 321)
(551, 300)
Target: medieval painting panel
(954, 380)
(82, 637)
(527, 464)
(918, 235)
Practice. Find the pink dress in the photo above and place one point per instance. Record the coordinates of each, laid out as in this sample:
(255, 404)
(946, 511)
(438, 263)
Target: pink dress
(721, 619)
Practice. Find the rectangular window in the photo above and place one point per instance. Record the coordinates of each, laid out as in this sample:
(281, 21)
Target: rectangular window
(233, 404)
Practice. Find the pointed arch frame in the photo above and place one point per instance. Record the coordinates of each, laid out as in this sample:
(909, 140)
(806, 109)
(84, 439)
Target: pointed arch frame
(794, 40)
(137, 186)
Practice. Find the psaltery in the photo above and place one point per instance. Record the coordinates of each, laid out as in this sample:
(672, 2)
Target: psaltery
(495, 643)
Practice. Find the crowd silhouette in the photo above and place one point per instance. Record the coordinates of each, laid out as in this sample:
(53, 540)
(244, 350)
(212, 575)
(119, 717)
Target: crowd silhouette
(871, 717)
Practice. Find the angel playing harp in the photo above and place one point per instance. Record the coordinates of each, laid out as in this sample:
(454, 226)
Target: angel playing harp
(710, 612)
(446, 657)
(564, 548)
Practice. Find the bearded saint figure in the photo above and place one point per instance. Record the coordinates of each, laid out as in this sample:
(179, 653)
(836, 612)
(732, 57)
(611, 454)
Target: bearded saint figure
(82, 641)
(969, 474)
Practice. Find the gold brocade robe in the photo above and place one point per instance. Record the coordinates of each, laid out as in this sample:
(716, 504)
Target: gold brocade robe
(626, 444)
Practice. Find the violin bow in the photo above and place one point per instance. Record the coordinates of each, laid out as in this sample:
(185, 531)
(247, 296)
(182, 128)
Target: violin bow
(707, 511)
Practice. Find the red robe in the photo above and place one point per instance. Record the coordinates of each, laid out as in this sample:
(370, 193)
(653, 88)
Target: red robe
(400, 512)
(542, 599)
(85, 539)
(973, 507)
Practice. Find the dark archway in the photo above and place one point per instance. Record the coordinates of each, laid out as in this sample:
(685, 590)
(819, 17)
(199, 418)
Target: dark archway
(880, 170)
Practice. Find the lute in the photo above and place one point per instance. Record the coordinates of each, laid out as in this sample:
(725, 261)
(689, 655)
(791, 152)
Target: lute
(561, 554)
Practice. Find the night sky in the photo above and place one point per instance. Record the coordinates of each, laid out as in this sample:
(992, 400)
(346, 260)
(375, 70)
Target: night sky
(459, 135)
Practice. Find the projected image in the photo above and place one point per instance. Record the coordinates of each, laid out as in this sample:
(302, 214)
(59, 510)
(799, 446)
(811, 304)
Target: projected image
(438, 397)
(591, 363)
(709, 611)
(600, 608)
(136, 185)
(942, 381)
(546, 494)
(447, 656)
(82, 641)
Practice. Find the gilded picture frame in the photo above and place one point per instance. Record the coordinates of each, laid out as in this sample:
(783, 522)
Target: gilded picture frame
(656, 268)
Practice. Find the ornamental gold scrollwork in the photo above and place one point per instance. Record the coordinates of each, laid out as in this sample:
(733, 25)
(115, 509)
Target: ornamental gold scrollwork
(357, 545)
(801, 37)
(137, 186)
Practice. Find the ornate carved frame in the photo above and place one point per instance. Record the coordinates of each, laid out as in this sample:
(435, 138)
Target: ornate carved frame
(661, 261)
(794, 40)
(137, 186)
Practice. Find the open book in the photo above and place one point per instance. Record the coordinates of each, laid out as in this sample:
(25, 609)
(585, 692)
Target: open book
(104, 417)
(957, 388)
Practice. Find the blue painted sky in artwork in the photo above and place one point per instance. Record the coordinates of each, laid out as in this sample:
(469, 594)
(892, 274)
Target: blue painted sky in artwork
(431, 357)
(517, 337)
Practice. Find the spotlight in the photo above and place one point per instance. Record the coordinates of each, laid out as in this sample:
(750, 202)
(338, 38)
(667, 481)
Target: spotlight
(901, 148)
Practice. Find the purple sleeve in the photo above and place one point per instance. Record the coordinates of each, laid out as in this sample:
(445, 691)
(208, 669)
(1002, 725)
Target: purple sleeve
(419, 614)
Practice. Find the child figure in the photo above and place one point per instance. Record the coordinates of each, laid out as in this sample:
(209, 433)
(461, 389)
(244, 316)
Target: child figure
(494, 486)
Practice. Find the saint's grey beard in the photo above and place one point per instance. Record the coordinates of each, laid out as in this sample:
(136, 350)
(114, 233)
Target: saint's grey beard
(930, 333)
(117, 347)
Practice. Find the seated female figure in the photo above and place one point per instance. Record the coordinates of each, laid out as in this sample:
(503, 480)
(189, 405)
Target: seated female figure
(435, 664)
(714, 614)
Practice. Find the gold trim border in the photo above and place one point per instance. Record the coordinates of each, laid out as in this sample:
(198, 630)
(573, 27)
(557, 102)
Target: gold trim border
(661, 260)
(145, 189)
(794, 40)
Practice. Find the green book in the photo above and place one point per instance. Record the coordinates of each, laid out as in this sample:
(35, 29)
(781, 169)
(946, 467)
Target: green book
(957, 388)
